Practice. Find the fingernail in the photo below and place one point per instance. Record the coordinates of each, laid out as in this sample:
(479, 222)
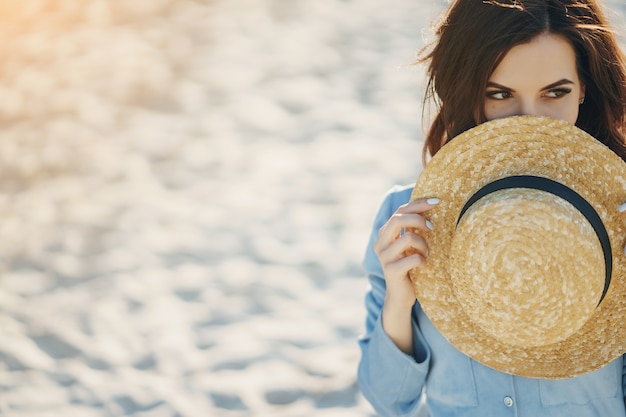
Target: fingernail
(622, 208)
(433, 201)
(430, 225)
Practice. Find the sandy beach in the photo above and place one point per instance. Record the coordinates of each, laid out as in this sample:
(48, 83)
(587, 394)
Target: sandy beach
(187, 189)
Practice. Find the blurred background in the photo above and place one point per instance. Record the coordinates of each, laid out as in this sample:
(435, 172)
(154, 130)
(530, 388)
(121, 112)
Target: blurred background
(186, 191)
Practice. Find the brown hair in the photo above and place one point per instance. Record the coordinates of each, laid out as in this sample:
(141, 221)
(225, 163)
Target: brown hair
(473, 37)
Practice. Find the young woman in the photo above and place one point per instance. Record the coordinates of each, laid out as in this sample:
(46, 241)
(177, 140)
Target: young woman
(491, 59)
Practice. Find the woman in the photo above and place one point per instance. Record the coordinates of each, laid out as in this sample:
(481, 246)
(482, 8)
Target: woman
(491, 59)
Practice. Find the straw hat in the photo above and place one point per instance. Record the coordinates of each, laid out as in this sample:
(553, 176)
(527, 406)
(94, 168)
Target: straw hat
(525, 272)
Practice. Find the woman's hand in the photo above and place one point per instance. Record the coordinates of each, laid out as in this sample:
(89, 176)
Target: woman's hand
(393, 242)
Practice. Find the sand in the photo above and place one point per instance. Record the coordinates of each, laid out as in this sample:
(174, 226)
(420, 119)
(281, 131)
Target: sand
(187, 189)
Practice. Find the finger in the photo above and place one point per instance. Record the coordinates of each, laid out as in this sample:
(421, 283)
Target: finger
(419, 206)
(402, 266)
(398, 248)
(406, 216)
(397, 223)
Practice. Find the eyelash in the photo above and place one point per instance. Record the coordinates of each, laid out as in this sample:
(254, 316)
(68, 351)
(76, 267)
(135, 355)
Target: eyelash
(559, 92)
(492, 94)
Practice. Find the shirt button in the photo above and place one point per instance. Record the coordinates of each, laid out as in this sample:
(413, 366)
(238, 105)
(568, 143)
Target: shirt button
(508, 401)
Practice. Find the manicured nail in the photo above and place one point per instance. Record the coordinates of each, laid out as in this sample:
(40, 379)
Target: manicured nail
(430, 225)
(433, 201)
(622, 208)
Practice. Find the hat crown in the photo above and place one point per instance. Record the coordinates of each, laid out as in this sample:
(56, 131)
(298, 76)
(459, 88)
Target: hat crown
(512, 270)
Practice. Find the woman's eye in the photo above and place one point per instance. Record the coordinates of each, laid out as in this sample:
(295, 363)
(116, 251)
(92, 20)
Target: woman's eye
(558, 92)
(498, 94)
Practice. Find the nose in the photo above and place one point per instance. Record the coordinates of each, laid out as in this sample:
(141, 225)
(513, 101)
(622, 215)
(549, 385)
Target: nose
(528, 107)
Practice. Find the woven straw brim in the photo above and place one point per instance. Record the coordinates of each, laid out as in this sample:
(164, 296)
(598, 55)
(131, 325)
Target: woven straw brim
(552, 341)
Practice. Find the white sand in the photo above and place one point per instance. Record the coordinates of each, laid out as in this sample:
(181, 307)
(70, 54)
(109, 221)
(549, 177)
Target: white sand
(187, 189)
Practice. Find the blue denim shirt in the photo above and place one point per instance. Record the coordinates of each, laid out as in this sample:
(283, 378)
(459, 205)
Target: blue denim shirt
(455, 385)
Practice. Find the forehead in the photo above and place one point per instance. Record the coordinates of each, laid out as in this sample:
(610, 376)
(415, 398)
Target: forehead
(546, 57)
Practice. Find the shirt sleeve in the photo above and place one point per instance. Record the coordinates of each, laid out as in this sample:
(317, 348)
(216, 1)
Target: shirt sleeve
(390, 380)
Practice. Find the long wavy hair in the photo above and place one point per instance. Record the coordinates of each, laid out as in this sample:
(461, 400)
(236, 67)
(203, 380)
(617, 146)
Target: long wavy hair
(473, 37)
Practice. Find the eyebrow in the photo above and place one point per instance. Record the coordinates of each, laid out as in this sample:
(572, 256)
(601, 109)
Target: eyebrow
(559, 83)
